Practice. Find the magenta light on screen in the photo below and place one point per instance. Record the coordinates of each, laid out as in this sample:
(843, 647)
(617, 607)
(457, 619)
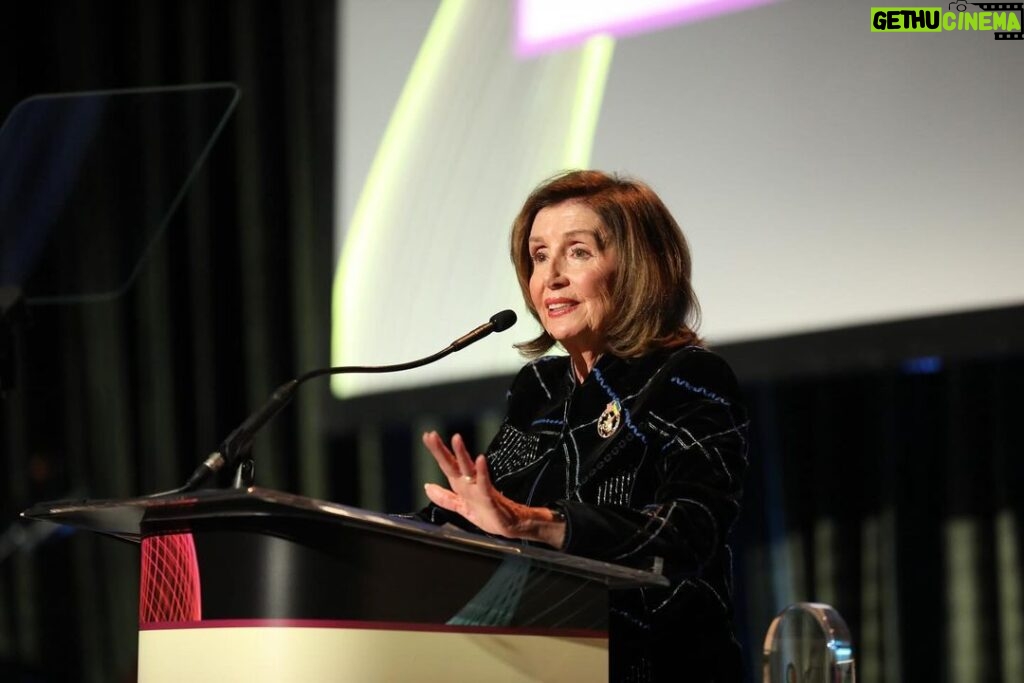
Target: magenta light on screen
(549, 25)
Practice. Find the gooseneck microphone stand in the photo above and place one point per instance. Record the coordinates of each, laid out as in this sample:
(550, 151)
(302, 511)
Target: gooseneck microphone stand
(235, 451)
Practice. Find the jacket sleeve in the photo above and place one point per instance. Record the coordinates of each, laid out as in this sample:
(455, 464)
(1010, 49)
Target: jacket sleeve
(690, 482)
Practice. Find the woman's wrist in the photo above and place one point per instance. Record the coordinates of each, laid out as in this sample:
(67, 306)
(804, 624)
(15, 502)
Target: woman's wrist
(545, 525)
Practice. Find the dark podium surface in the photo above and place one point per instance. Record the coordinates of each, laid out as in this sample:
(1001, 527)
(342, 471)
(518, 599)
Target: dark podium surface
(132, 519)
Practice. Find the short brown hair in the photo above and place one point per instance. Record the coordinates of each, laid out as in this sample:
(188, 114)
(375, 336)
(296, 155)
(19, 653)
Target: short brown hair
(653, 304)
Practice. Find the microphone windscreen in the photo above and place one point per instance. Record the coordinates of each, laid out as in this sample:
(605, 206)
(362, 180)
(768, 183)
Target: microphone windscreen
(503, 320)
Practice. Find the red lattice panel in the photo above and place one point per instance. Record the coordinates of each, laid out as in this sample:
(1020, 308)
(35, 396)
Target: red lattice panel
(169, 586)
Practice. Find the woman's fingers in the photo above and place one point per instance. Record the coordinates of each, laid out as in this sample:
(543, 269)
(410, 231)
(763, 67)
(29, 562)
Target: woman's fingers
(482, 473)
(443, 498)
(444, 457)
(456, 463)
(472, 493)
(462, 457)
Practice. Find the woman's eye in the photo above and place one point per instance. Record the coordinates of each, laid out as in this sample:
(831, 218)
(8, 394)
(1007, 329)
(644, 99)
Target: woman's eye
(539, 257)
(579, 252)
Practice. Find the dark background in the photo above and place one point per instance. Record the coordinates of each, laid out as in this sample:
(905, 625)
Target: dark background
(885, 460)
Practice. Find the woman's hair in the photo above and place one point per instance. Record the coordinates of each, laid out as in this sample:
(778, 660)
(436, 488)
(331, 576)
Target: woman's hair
(653, 304)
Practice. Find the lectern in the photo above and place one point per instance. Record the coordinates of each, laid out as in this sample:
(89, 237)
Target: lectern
(261, 585)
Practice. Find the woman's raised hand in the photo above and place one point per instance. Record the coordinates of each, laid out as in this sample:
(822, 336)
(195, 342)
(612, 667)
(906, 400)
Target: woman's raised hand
(473, 495)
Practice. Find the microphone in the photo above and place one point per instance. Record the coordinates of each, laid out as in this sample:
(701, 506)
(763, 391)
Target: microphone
(499, 322)
(238, 442)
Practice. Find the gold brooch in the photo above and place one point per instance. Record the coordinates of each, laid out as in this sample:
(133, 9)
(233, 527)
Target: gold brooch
(609, 420)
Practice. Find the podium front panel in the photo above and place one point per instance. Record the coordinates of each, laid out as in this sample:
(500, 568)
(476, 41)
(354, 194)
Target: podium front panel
(270, 569)
(265, 599)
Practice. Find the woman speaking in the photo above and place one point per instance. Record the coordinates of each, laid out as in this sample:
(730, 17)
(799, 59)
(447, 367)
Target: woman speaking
(632, 448)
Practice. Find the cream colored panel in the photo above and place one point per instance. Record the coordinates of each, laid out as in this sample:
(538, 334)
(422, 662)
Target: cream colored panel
(306, 655)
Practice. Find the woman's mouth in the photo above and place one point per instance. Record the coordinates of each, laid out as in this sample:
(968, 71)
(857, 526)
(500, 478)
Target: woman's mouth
(559, 307)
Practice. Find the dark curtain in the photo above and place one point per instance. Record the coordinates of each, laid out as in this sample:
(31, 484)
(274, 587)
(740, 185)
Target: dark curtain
(125, 397)
(893, 495)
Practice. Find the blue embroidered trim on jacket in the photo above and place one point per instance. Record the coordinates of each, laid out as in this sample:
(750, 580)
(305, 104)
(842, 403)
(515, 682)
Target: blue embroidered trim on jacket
(700, 391)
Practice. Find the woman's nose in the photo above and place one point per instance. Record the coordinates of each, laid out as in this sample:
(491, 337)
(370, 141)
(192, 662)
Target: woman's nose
(555, 275)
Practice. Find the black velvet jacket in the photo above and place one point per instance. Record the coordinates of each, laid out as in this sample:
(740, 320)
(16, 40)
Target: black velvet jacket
(662, 489)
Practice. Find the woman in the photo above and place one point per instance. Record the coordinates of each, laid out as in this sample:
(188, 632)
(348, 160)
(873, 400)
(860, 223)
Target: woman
(631, 449)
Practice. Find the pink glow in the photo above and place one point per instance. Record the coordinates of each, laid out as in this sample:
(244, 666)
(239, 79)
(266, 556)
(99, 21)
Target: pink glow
(169, 586)
(640, 23)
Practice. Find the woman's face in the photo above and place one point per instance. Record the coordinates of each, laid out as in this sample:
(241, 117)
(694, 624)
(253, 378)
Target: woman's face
(573, 272)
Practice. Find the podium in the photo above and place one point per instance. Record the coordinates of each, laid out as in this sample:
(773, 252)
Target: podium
(262, 585)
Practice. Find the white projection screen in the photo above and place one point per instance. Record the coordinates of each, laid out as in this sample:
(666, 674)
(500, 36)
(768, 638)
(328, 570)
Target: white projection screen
(825, 175)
